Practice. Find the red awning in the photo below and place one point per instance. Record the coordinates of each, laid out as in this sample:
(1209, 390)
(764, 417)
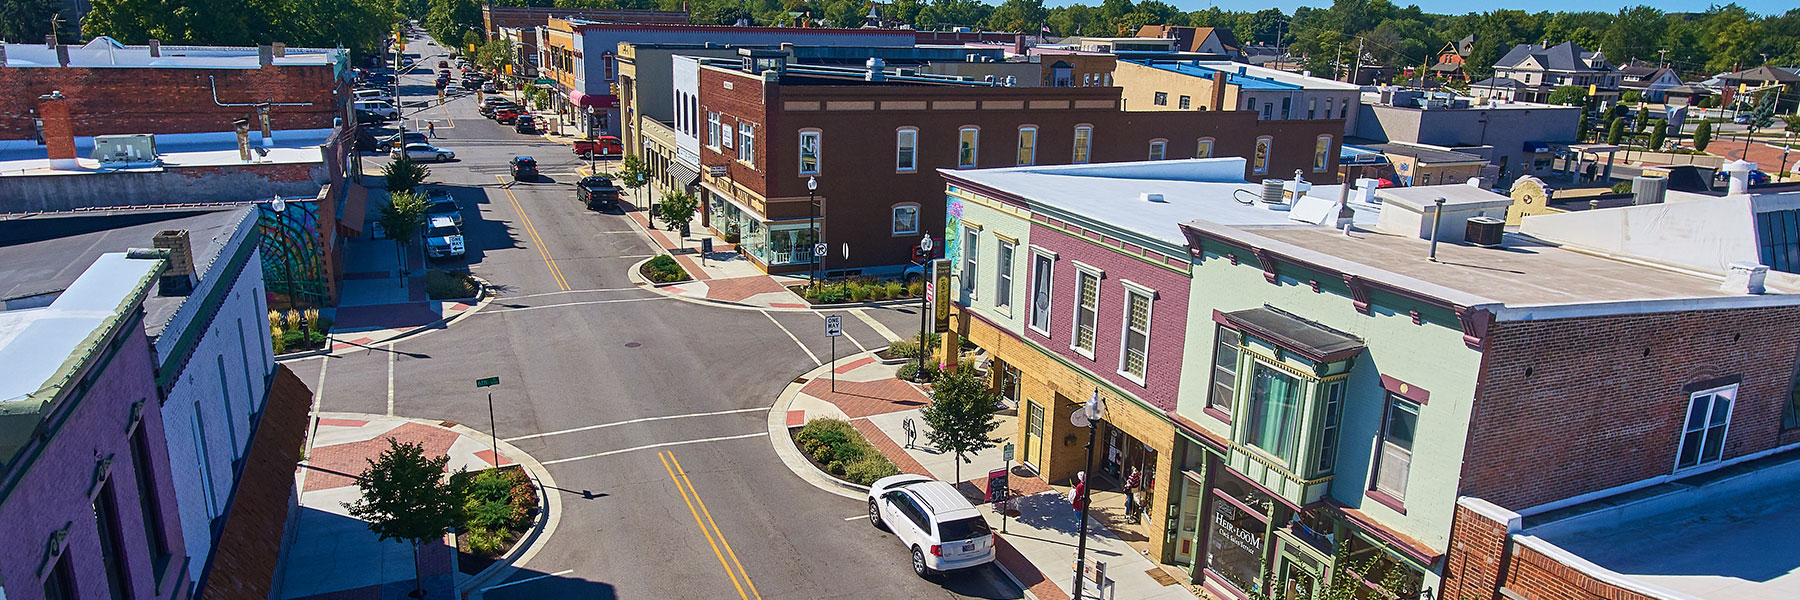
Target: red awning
(356, 208)
(596, 101)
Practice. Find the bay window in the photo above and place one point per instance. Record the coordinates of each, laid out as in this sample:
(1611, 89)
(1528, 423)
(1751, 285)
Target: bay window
(1273, 411)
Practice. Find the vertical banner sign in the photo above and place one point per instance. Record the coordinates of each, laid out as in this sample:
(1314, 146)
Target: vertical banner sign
(940, 270)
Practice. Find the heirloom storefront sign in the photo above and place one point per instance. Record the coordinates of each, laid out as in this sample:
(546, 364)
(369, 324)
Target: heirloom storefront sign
(1234, 547)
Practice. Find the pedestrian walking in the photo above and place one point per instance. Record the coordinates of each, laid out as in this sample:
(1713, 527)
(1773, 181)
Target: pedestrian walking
(431, 129)
(1078, 496)
(1132, 482)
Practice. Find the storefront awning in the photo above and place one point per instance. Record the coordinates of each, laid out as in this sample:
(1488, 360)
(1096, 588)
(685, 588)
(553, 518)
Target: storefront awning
(593, 100)
(1308, 339)
(356, 209)
(685, 174)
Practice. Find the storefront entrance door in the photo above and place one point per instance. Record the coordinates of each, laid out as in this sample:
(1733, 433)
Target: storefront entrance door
(1187, 534)
(1034, 434)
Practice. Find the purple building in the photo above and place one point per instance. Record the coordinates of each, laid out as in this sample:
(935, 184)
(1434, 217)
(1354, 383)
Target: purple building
(86, 504)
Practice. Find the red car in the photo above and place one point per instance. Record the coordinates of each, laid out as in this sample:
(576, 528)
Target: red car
(605, 145)
(506, 115)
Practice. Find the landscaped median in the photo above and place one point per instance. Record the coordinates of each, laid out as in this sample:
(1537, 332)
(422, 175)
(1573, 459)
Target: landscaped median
(838, 449)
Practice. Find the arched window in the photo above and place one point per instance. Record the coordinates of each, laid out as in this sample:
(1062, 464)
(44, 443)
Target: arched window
(1159, 149)
(906, 219)
(809, 152)
(1027, 145)
(1259, 163)
(1204, 149)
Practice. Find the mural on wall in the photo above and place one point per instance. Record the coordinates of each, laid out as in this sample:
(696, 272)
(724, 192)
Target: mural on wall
(292, 260)
(953, 212)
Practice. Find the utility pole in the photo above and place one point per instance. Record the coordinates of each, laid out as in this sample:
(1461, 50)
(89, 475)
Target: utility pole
(1337, 63)
(1663, 57)
(1354, 72)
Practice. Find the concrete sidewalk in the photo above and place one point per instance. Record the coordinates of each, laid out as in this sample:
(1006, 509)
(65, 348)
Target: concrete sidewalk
(1038, 547)
(723, 275)
(383, 296)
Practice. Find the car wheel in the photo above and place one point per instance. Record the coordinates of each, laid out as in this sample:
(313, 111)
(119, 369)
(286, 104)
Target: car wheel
(919, 567)
(875, 517)
(443, 157)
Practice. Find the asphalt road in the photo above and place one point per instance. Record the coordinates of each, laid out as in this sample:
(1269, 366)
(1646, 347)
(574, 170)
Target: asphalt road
(576, 346)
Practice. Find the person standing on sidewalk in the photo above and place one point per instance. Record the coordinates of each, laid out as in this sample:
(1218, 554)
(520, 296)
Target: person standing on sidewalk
(1131, 489)
(1078, 496)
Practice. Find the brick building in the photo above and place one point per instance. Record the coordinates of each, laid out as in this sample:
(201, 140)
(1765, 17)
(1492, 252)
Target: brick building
(496, 18)
(762, 131)
(1194, 85)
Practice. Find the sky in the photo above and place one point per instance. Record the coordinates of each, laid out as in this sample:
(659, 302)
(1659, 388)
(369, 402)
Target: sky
(1765, 7)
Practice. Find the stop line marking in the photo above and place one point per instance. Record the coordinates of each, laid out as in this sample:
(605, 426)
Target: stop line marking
(642, 420)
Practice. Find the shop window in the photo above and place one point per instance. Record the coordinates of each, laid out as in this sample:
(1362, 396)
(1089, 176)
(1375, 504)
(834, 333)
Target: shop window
(1083, 141)
(1272, 413)
(1378, 572)
(1027, 146)
(1087, 307)
(809, 152)
(1235, 534)
(906, 219)
(906, 145)
(1041, 268)
(1003, 277)
(1260, 162)
(1224, 373)
(1394, 464)
(967, 140)
(1204, 149)
(1159, 149)
(1703, 436)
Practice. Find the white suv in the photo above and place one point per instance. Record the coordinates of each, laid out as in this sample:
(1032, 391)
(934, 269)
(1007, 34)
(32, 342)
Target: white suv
(940, 527)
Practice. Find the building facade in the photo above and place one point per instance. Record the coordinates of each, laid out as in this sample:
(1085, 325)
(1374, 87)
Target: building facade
(1529, 72)
(1190, 85)
(1517, 138)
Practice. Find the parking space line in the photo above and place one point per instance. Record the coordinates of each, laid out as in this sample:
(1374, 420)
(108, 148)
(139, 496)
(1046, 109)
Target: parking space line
(528, 580)
(658, 445)
(790, 334)
(390, 397)
(643, 420)
(715, 526)
(555, 274)
(703, 530)
(862, 314)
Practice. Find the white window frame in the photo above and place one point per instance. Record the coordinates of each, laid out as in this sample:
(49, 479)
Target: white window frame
(818, 151)
(1159, 149)
(971, 259)
(1006, 253)
(712, 130)
(1044, 282)
(746, 143)
(894, 213)
(1206, 143)
(1259, 164)
(1321, 156)
(1083, 270)
(906, 138)
(1149, 296)
(1083, 149)
(1392, 402)
(1731, 393)
(974, 147)
(1027, 153)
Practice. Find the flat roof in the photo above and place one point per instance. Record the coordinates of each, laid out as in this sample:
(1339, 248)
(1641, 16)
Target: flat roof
(24, 157)
(1111, 193)
(1430, 156)
(37, 343)
(105, 53)
(1194, 68)
(46, 253)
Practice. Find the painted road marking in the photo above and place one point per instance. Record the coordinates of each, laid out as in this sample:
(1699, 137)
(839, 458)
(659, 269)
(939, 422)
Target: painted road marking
(856, 517)
(390, 353)
(715, 526)
(555, 274)
(862, 314)
(586, 302)
(643, 420)
(527, 580)
(703, 530)
(790, 334)
(650, 446)
(596, 290)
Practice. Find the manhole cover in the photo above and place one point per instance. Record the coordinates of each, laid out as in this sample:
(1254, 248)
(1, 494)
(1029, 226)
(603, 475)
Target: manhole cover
(632, 344)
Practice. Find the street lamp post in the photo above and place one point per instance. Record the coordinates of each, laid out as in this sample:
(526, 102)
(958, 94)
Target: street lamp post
(924, 304)
(287, 264)
(1786, 147)
(812, 229)
(1092, 411)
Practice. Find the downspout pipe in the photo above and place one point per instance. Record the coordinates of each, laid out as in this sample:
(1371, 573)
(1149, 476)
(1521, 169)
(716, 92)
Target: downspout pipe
(215, 96)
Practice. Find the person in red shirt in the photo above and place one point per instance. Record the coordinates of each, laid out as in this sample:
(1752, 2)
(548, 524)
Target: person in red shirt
(1078, 496)
(1132, 482)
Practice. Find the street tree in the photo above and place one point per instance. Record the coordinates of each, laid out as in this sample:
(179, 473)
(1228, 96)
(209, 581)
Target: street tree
(961, 415)
(1569, 95)
(1703, 135)
(1659, 133)
(406, 498)
(1761, 118)
(676, 209)
(1615, 131)
(633, 172)
(403, 215)
(402, 174)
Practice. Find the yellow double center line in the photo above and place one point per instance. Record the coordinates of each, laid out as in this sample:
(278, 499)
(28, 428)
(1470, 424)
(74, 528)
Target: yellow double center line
(708, 527)
(555, 273)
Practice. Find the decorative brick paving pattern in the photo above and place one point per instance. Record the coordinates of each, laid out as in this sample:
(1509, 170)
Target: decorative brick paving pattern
(854, 364)
(888, 448)
(864, 398)
(333, 466)
(1027, 573)
(735, 289)
(1020, 480)
(796, 418)
(342, 423)
(693, 269)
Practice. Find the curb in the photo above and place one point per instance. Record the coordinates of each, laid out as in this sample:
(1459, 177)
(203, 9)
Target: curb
(638, 280)
(484, 298)
(541, 529)
(784, 445)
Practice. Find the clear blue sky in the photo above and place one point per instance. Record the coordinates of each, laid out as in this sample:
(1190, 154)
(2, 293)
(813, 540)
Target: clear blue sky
(1764, 7)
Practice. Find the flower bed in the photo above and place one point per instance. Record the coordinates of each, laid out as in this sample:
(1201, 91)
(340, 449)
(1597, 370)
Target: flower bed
(858, 290)
(499, 506)
(663, 269)
(835, 447)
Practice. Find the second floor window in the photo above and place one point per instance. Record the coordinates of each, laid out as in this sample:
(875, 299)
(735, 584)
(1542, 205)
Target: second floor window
(1272, 411)
(1260, 163)
(906, 219)
(746, 143)
(966, 147)
(971, 252)
(1399, 427)
(712, 129)
(809, 153)
(1162, 99)
(1321, 153)
(1027, 146)
(1224, 374)
(1040, 293)
(1087, 307)
(1003, 278)
(1703, 436)
(1158, 149)
(1084, 137)
(1137, 335)
(1186, 102)
(906, 145)
(1204, 148)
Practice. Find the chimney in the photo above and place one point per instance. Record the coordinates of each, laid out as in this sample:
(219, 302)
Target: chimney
(59, 130)
(265, 55)
(155, 48)
(243, 138)
(1739, 172)
(262, 114)
(279, 49)
(178, 279)
(1744, 278)
(62, 56)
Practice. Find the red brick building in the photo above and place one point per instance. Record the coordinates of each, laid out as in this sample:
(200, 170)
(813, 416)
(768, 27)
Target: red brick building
(874, 138)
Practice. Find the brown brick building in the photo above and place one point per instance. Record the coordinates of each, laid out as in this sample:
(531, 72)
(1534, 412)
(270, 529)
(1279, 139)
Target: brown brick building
(874, 140)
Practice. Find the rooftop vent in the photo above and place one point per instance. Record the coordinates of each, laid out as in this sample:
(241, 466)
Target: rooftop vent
(1649, 190)
(1744, 278)
(1272, 194)
(1151, 197)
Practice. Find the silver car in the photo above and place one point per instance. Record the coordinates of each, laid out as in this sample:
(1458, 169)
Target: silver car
(420, 152)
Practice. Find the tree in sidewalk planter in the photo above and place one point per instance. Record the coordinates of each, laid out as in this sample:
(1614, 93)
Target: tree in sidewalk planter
(1642, 120)
(1615, 131)
(403, 175)
(1659, 133)
(1703, 136)
(405, 497)
(961, 415)
(676, 209)
(633, 174)
(403, 216)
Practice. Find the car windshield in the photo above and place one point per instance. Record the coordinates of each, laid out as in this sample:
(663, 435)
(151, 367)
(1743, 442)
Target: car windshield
(963, 529)
(441, 206)
(526, 162)
(442, 231)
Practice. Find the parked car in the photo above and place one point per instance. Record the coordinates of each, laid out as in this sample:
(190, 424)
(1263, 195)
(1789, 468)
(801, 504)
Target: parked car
(597, 192)
(935, 522)
(525, 123)
(427, 152)
(524, 168)
(443, 239)
(506, 114)
(364, 117)
(488, 88)
(381, 94)
(380, 107)
(489, 104)
(412, 137)
(605, 145)
(439, 203)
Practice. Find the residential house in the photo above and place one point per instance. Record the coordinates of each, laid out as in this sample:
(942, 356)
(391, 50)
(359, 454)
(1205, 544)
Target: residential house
(765, 127)
(1194, 85)
(1209, 40)
(1452, 57)
(1754, 81)
(1529, 72)
(1649, 81)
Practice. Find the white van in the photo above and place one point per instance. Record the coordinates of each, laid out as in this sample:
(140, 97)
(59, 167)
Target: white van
(374, 94)
(380, 107)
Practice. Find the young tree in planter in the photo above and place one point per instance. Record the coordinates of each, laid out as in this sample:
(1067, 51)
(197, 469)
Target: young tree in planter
(403, 174)
(1615, 131)
(961, 415)
(1659, 133)
(402, 217)
(405, 497)
(634, 174)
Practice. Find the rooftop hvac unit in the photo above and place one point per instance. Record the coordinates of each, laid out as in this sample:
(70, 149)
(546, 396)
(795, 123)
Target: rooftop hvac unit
(131, 150)
(1486, 232)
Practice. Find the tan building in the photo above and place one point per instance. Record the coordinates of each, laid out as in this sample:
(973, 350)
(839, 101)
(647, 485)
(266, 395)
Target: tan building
(1156, 85)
